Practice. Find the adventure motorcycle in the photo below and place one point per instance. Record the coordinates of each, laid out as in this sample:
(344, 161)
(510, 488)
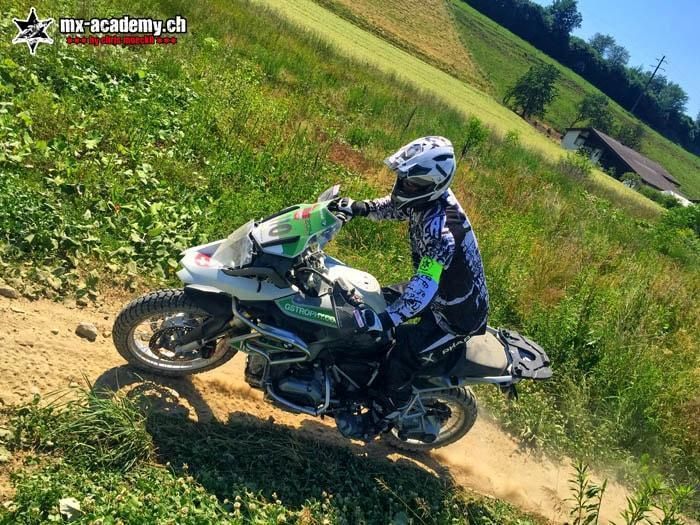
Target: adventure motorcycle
(270, 291)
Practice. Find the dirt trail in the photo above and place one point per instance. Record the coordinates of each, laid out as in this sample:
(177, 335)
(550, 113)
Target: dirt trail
(41, 354)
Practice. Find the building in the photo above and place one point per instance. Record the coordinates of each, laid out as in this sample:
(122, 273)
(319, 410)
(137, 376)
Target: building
(615, 156)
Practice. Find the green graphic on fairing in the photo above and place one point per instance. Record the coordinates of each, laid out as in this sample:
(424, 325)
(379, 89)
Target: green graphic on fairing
(290, 233)
(313, 314)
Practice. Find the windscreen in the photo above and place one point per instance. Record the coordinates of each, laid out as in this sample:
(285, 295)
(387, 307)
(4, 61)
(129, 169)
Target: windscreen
(237, 249)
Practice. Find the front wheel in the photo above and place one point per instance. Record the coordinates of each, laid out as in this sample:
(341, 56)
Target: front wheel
(459, 407)
(147, 331)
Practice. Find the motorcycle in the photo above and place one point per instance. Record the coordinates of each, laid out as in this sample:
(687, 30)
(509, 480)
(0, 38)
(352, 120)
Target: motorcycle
(270, 291)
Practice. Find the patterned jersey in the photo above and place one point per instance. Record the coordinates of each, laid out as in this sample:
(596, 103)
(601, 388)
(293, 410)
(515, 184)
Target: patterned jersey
(449, 273)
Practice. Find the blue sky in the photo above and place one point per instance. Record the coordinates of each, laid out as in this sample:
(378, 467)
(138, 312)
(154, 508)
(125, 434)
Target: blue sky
(650, 29)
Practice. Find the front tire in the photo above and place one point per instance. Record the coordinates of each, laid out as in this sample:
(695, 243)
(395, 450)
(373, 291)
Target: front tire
(462, 404)
(154, 309)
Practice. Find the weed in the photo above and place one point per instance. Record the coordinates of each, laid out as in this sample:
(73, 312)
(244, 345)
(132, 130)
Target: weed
(587, 497)
(576, 165)
(652, 495)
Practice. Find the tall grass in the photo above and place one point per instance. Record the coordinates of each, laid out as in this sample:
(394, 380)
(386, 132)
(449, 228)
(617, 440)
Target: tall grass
(90, 431)
(118, 159)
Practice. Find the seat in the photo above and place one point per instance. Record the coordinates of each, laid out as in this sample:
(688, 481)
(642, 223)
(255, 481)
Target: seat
(485, 357)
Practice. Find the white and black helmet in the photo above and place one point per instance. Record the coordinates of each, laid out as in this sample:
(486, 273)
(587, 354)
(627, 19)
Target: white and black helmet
(424, 170)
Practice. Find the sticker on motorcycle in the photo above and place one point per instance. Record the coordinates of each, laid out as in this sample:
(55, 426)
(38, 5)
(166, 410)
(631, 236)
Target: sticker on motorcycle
(203, 260)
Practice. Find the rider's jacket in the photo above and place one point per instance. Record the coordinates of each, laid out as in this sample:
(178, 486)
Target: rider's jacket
(449, 274)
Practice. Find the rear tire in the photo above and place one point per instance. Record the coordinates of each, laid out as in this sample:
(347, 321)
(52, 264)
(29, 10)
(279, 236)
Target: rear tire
(461, 398)
(154, 304)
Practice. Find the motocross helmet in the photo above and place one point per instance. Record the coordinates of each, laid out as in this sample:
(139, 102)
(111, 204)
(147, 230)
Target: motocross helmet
(424, 170)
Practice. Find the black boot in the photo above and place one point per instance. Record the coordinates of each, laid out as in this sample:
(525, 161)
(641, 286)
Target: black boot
(356, 426)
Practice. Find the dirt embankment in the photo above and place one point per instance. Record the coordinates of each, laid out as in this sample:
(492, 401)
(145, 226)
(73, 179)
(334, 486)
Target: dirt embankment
(42, 354)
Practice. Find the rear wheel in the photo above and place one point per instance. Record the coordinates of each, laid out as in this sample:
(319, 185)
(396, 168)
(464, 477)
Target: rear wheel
(457, 413)
(147, 331)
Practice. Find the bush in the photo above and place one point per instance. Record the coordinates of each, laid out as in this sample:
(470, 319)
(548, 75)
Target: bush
(684, 217)
(667, 201)
(475, 138)
(631, 179)
(577, 165)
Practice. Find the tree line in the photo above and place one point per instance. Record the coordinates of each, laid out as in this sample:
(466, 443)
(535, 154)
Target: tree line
(601, 61)
(536, 89)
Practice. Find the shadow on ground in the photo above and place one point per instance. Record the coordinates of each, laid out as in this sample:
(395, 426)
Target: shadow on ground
(247, 454)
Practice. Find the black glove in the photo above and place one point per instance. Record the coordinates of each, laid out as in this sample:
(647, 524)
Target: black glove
(368, 321)
(349, 207)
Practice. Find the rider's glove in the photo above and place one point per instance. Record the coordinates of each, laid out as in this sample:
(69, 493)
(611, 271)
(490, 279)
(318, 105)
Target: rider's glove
(349, 207)
(368, 321)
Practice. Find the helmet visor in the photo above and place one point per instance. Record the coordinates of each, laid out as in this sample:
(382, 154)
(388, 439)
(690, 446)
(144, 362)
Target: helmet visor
(411, 187)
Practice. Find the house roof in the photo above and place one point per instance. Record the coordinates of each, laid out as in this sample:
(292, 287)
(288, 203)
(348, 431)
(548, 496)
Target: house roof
(649, 171)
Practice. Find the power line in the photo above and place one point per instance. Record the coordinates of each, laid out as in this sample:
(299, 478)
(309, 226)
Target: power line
(658, 66)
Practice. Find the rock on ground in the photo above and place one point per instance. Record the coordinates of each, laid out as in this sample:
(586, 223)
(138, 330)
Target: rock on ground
(86, 331)
(69, 508)
(9, 292)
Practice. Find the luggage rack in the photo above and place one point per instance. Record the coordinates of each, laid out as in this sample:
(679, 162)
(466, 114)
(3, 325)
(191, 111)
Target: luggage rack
(528, 360)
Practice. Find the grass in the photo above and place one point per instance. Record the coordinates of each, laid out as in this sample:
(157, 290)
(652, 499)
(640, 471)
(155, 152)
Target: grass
(180, 471)
(113, 160)
(504, 57)
(373, 50)
(415, 33)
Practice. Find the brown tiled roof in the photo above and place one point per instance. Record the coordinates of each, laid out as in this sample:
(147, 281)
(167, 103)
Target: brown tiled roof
(649, 171)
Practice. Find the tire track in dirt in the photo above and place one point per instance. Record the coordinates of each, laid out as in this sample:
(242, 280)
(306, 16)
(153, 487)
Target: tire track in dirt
(42, 354)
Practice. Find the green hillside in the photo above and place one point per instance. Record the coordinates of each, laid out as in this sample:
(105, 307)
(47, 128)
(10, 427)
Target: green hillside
(375, 51)
(504, 57)
(496, 57)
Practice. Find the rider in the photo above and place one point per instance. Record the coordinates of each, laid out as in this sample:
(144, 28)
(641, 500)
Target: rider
(448, 291)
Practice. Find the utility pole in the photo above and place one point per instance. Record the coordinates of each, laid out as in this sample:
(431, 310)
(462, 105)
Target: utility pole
(648, 82)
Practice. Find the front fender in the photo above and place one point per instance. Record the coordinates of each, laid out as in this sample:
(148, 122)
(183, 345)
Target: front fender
(211, 300)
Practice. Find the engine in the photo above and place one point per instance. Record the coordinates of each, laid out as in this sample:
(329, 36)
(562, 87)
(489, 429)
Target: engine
(303, 387)
(300, 384)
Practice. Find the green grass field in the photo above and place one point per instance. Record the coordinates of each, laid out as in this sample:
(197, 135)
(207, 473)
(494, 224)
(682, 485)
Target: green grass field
(113, 160)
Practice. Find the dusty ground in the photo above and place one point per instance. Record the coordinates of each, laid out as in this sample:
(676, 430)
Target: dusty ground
(41, 354)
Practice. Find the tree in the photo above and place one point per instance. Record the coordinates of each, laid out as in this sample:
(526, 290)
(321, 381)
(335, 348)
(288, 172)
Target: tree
(672, 98)
(534, 90)
(601, 43)
(617, 55)
(564, 16)
(610, 50)
(599, 62)
(631, 180)
(631, 136)
(594, 108)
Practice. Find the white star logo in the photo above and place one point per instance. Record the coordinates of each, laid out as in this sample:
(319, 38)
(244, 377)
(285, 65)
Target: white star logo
(32, 31)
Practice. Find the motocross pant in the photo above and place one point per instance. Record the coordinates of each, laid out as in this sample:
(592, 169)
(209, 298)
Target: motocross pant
(421, 349)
